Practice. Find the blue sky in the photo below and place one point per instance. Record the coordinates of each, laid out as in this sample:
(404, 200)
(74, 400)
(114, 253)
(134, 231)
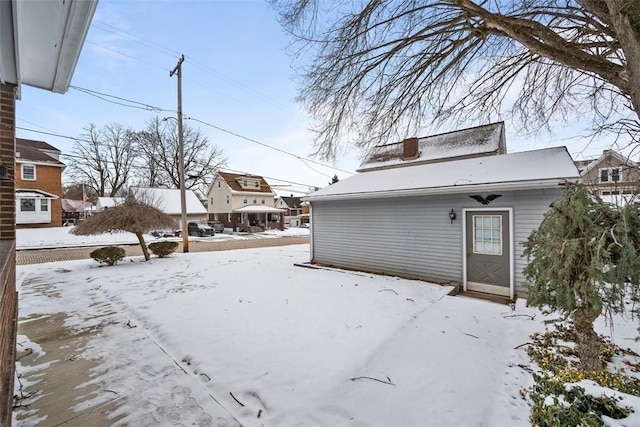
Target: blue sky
(236, 76)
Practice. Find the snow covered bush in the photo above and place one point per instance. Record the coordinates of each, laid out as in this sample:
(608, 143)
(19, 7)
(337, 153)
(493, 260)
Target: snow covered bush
(162, 249)
(566, 395)
(109, 255)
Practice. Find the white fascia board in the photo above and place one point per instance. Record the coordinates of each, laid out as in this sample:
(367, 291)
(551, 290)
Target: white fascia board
(75, 33)
(22, 193)
(500, 186)
(39, 163)
(9, 61)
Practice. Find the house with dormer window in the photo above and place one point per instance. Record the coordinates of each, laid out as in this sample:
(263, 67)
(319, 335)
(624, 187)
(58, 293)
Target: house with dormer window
(611, 174)
(38, 180)
(242, 201)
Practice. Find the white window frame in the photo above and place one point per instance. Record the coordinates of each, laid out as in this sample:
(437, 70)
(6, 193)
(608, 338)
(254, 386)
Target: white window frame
(489, 239)
(609, 172)
(44, 205)
(23, 174)
(28, 202)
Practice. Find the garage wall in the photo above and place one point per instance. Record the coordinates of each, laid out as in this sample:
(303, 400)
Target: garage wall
(413, 236)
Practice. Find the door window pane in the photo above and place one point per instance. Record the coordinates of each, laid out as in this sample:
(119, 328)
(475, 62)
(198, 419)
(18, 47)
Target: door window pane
(487, 234)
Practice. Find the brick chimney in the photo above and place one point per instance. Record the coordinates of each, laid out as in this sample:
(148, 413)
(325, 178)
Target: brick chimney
(410, 149)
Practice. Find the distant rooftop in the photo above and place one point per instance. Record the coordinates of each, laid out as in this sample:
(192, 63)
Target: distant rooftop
(37, 151)
(478, 141)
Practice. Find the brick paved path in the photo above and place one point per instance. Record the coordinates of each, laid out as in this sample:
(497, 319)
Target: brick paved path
(37, 256)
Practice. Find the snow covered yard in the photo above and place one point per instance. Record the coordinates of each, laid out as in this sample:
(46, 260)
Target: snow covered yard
(245, 337)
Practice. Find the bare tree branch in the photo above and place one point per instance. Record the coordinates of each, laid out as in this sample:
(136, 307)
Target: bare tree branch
(381, 69)
(103, 158)
(159, 148)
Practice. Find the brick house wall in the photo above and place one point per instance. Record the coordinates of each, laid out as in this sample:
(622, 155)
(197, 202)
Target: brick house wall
(49, 179)
(8, 295)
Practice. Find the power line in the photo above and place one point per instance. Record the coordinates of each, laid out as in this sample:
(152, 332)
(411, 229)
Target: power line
(147, 107)
(303, 159)
(73, 156)
(207, 69)
(134, 104)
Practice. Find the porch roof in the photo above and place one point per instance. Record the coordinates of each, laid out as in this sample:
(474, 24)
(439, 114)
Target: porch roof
(34, 194)
(258, 209)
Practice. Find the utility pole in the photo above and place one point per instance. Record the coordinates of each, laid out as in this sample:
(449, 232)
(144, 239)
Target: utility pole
(183, 196)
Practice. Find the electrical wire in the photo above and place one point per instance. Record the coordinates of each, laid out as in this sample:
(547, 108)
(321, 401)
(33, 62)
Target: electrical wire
(134, 104)
(147, 107)
(303, 159)
(75, 156)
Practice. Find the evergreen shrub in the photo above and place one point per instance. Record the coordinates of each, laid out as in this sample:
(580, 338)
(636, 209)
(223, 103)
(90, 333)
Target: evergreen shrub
(162, 249)
(109, 255)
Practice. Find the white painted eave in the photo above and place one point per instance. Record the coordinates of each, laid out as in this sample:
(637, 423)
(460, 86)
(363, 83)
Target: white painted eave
(40, 41)
(435, 191)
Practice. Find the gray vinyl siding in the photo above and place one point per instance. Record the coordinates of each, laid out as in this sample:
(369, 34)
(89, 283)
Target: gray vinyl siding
(413, 236)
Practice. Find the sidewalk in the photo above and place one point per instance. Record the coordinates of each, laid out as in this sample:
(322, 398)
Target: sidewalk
(38, 256)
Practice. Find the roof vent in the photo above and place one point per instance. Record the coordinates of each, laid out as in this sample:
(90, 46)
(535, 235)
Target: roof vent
(410, 149)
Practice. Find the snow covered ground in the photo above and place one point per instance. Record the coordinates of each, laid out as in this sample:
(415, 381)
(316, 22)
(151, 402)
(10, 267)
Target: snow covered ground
(56, 237)
(247, 337)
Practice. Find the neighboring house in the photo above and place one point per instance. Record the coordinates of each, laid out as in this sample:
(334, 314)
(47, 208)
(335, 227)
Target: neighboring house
(75, 210)
(611, 174)
(38, 181)
(460, 220)
(108, 202)
(242, 201)
(168, 201)
(40, 42)
(292, 207)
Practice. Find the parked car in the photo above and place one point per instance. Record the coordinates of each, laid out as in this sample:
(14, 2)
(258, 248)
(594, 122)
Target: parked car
(165, 233)
(218, 226)
(200, 228)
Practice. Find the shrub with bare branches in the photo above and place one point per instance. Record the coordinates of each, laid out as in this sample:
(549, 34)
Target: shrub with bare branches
(133, 216)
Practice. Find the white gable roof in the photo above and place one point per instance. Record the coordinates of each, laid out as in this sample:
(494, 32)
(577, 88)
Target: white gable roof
(168, 200)
(531, 169)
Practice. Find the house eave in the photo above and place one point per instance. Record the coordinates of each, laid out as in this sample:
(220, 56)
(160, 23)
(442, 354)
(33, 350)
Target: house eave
(40, 42)
(456, 189)
(40, 163)
(252, 193)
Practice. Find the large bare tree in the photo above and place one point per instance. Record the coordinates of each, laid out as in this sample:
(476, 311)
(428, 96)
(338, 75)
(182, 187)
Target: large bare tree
(381, 69)
(103, 159)
(159, 148)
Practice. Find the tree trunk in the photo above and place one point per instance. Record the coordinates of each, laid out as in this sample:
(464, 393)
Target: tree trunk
(589, 343)
(143, 245)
